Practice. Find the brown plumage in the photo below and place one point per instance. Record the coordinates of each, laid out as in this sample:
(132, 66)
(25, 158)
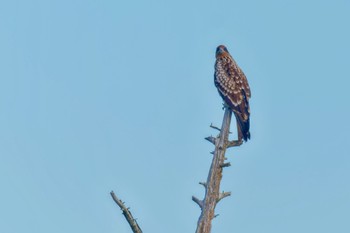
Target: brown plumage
(234, 89)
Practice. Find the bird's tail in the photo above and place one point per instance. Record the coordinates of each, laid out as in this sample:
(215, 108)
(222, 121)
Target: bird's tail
(243, 127)
(243, 118)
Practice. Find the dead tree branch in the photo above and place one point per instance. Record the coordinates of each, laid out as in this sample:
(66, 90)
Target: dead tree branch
(214, 127)
(234, 143)
(225, 165)
(127, 214)
(223, 195)
(199, 202)
(211, 139)
(204, 184)
(212, 187)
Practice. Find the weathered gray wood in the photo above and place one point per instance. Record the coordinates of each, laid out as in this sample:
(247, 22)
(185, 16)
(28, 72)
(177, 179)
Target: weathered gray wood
(212, 187)
(127, 214)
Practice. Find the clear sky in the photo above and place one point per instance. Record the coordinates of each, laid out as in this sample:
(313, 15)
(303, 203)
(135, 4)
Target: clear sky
(118, 95)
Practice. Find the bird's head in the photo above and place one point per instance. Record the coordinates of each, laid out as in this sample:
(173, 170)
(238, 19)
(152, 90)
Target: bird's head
(221, 50)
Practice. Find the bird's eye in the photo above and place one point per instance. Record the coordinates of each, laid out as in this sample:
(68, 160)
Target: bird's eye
(225, 49)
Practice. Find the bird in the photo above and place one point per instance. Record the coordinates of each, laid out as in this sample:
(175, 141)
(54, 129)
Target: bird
(234, 89)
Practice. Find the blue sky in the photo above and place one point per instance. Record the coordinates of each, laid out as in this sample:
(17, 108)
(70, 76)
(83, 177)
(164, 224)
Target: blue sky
(118, 95)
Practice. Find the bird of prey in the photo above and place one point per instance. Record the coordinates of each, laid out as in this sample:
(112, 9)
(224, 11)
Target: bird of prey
(234, 89)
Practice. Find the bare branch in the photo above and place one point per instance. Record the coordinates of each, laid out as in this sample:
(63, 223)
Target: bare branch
(234, 143)
(225, 165)
(199, 202)
(217, 128)
(223, 195)
(214, 127)
(127, 214)
(204, 184)
(211, 139)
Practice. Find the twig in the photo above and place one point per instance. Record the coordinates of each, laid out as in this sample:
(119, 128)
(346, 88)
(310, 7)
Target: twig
(211, 139)
(217, 128)
(225, 165)
(127, 214)
(223, 195)
(199, 202)
(214, 127)
(204, 184)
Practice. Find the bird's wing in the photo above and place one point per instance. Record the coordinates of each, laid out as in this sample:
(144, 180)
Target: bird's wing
(230, 82)
(245, 85)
